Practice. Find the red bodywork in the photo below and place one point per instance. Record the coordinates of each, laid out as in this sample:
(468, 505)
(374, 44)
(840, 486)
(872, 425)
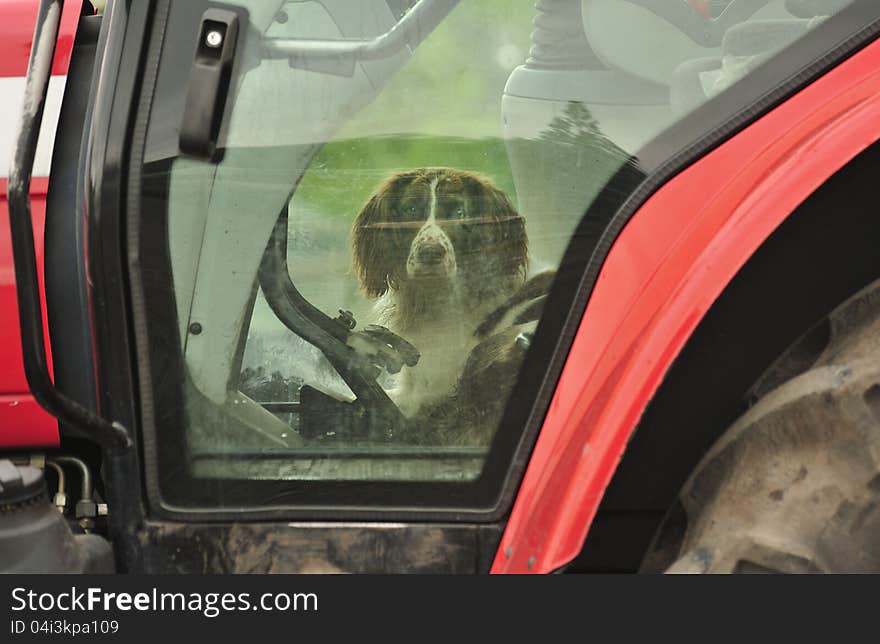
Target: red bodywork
(671, 262)
(17, 34)
(23, 423)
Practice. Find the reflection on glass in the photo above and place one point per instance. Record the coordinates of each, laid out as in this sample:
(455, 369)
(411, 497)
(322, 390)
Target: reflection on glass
(368, 264)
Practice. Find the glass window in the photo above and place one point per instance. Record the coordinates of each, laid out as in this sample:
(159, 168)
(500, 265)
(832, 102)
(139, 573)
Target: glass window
(359, 277)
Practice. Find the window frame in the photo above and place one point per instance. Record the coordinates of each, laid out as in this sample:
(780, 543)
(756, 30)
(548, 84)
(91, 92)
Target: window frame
(489, 497)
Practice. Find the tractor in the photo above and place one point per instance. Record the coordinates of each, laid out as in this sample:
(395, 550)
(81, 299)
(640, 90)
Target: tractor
(262, 307)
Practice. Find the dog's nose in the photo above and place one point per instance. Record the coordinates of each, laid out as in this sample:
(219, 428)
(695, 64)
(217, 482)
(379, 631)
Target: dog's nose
(431, 253)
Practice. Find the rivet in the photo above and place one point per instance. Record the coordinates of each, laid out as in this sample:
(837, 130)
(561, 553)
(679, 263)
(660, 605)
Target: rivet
(195, 328)
(509, 552)
(531, 562)
(214, 39)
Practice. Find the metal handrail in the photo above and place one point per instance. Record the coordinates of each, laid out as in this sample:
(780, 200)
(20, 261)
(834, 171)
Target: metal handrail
(27, 286)
(410, 30)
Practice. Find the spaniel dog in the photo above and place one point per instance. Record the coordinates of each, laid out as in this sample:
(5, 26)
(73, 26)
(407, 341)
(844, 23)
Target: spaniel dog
(442, 250)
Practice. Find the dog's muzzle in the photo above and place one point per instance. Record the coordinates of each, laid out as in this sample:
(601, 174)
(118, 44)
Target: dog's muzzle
(431, 254)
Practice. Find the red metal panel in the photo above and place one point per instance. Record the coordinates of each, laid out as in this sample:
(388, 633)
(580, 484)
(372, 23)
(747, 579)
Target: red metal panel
(671, 262)
(23, 423)
(17, 21)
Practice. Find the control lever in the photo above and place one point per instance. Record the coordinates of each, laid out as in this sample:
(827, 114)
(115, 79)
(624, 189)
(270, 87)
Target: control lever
(384, 347)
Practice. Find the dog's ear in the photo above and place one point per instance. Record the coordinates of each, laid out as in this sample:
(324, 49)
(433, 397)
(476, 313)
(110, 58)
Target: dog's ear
(372, 243)
(511, 230)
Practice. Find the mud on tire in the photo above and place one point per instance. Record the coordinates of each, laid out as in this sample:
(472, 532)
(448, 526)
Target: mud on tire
(794, 485)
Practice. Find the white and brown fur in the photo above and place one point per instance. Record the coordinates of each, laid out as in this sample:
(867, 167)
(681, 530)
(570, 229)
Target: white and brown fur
(440, 249)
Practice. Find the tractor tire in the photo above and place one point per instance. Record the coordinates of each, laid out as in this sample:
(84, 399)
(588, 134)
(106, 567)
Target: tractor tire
(793, 486)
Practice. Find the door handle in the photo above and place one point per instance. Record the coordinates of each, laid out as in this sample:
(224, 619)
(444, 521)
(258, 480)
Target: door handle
(209, 84)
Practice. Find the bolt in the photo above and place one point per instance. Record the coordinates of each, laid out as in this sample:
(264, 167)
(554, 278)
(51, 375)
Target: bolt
(214, 39)
(509, 552)
(523, 341)
(531, 562)
(195, 328)
(85, 511)
(346, 319)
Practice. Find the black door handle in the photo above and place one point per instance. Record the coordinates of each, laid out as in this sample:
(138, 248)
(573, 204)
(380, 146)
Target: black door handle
(208, 84)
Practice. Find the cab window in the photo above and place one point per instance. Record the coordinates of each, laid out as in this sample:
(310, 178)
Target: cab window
(359, 262)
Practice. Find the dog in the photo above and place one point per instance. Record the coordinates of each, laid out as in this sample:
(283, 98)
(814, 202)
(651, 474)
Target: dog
(441, 250)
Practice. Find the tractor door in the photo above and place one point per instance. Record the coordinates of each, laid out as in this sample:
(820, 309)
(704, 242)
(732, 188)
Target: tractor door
(301, 392)
(292, 415)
